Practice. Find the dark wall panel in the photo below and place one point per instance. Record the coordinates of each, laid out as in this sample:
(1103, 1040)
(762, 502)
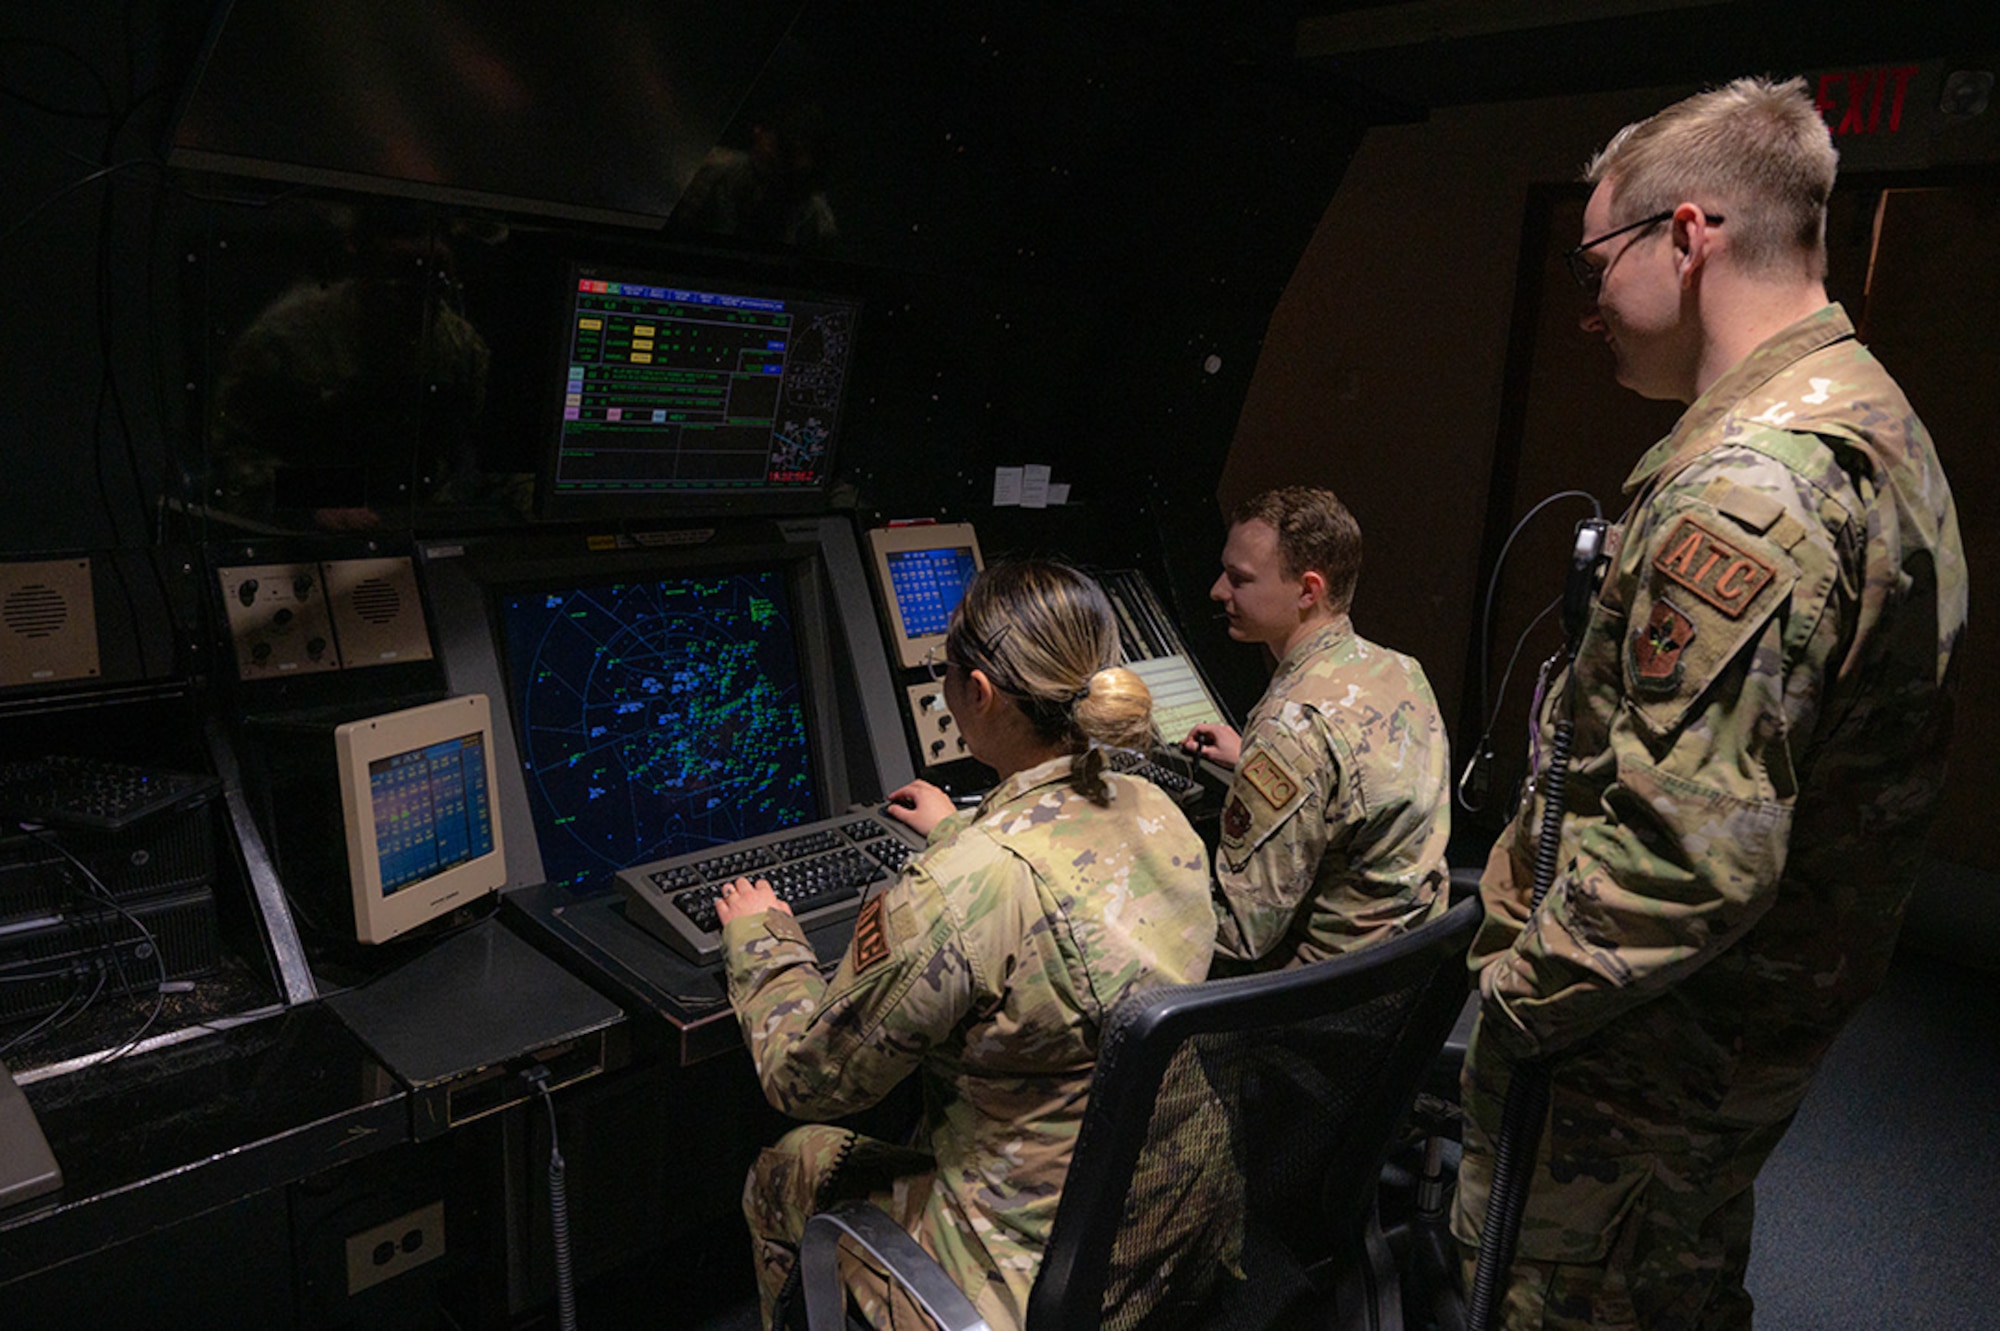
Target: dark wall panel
(1068, 224)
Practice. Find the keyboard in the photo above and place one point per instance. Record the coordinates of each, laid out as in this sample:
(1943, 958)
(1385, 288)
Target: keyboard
(1177, 784)
(90, 794)
(821, 870)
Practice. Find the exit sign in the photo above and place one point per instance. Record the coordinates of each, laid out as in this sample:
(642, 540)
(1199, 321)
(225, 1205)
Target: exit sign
(1864, 101)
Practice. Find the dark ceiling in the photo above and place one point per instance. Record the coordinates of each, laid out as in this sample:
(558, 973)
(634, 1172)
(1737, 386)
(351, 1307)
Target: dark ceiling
(1398, 61)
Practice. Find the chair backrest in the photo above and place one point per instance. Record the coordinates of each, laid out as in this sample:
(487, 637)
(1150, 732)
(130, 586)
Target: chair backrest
(1241, 1125)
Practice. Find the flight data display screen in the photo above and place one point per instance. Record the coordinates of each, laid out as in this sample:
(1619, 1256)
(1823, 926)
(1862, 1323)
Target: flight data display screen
(432, 810)
(657, 716)
(674, 389)
(928, 585)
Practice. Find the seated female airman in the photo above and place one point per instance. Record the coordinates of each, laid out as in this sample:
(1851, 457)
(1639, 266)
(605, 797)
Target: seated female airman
(986, 969)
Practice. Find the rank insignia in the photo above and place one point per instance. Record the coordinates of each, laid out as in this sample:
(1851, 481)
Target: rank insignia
(871, 936)
(1717, 570)
(1236, 818)
(1657, 647)
(1268, 777)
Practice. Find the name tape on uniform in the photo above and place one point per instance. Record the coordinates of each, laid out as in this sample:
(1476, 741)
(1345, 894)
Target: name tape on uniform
(871, 936)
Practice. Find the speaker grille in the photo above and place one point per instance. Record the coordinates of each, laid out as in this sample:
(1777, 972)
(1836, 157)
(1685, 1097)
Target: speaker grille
(376, 601)
(35, 611)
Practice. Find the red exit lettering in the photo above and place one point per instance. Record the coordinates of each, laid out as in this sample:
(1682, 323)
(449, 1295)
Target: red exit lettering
(1861, 96)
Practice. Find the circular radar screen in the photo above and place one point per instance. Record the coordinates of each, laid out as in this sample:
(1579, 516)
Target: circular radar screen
(657, 717)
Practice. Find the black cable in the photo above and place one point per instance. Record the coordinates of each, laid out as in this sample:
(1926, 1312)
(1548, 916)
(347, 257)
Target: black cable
(117, 120)
(103, 89)
(53, 1018)
(89, 178)
(152, 944)
(1483, 750)
(111, 409)
(95, 990)
(108, 385)
(173, 470)
(1493, 580)
(105, 113)
(1527, 1099)
(30, 976)
(1489, 706)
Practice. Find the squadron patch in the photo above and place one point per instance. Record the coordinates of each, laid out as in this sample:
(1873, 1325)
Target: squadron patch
(1658, 645)
(1268, 777)
(1236, 818)
(871, 936)
(1713, 568)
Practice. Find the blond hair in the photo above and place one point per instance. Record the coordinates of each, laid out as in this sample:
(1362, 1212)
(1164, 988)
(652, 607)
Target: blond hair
(1045, 635)
(1755, 151)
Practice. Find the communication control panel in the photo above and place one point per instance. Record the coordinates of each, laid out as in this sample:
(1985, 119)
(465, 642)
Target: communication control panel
(303, 618)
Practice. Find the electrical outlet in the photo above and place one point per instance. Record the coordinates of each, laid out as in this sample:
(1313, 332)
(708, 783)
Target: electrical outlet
(388, 1250)
(938, 737)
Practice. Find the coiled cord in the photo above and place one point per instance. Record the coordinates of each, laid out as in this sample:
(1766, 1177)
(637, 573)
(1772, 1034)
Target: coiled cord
(1528, 1091)
(538, 1077)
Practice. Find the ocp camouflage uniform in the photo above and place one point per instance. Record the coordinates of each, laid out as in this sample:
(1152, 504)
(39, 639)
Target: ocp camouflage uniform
(1762, 707)
(1334, 829)
(987, 968)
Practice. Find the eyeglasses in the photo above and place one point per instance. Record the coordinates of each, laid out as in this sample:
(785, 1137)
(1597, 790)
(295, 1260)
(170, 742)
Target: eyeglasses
(938, 663)
(1589, 276)
(935, 662)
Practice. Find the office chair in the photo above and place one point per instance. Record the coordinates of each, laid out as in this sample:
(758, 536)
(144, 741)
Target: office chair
(1414, 1204)
(1298, 1080)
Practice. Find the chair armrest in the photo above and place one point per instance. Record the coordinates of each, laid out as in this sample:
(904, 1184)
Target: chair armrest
(886, 1242)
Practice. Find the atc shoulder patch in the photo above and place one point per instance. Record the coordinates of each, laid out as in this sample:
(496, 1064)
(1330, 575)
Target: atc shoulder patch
(1714, 568)
(1270, 779)
(1264, 795)
(1708, 589)
(871, 936)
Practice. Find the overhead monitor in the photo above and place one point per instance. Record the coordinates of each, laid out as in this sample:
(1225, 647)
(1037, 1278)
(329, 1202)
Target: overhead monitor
(417, 798)
(922, 571)
(660, 712)
(694, 394)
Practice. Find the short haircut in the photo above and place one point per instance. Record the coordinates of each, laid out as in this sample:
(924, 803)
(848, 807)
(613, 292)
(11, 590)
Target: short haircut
(1755, 151)
(1315, 531)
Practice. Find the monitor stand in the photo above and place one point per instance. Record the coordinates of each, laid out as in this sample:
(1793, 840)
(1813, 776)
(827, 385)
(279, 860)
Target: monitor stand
(27, 1167)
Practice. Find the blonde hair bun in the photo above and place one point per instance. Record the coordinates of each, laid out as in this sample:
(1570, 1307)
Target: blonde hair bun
(1117, 711)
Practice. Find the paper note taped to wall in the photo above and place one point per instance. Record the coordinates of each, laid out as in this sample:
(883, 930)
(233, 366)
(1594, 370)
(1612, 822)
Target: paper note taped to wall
(1028, 487)
(1035, 485)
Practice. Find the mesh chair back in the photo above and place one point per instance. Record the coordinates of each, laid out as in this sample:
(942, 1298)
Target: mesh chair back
(1226, 1168)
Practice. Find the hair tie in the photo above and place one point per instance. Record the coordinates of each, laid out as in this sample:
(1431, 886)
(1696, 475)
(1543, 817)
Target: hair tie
(1080, 694)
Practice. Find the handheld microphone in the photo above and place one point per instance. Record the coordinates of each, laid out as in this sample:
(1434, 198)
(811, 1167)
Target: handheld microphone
(1586, 567)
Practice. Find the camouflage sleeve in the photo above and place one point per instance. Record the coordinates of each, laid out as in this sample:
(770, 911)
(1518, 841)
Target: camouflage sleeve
(948, 827)
(1274, 831)
(1505, 888)
(827, 1047)
(1718, 663)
